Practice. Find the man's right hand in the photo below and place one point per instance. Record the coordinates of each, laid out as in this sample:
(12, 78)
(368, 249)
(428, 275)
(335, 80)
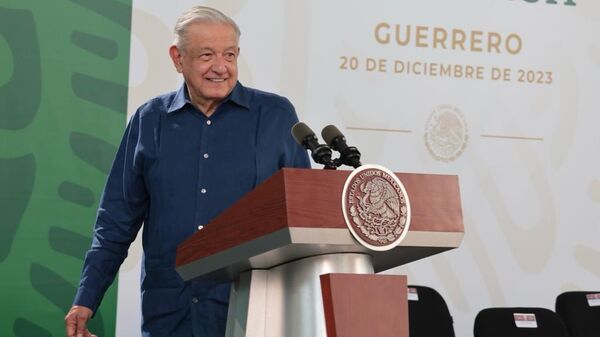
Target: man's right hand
(76, 321)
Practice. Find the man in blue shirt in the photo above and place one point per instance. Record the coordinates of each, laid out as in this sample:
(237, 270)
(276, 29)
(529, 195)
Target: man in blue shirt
(184, 158)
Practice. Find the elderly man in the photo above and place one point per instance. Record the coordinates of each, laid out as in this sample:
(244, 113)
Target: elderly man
(184, 158)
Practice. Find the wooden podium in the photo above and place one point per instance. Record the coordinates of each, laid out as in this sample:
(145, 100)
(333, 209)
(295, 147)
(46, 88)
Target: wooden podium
(278, 240)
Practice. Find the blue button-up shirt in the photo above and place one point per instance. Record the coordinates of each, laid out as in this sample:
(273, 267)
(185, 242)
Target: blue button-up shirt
(175, 170)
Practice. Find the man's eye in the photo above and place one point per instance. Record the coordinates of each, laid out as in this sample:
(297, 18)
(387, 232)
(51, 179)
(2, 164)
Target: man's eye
(206, 56)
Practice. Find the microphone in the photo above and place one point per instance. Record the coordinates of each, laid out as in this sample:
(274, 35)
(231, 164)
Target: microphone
(349, 155)
(320, 153)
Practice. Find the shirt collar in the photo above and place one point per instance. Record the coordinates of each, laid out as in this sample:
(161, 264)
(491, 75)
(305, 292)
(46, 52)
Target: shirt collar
(239, 96)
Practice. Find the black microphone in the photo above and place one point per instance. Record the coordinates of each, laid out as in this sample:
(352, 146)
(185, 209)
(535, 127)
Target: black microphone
(349, 155)
(320, 153)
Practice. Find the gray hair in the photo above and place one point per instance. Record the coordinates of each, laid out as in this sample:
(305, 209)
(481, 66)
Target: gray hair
(200, 14)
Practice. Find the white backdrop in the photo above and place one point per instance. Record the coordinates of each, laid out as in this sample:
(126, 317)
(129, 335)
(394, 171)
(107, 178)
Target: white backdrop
(524, 146)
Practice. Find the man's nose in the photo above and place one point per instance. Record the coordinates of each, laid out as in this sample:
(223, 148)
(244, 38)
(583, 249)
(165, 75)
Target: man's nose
(219, 66)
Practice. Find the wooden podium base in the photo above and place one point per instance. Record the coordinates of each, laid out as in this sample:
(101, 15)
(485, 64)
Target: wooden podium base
(365, 305)
(333, 295)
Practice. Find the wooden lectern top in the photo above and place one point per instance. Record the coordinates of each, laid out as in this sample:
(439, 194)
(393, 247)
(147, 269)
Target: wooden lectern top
(298, 213)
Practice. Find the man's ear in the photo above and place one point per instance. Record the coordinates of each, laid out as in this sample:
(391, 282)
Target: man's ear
(175, 54)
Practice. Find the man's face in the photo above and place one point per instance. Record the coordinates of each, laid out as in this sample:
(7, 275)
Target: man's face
(208, 62)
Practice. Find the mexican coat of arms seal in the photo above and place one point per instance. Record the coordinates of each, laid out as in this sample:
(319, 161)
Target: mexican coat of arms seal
(376, 207)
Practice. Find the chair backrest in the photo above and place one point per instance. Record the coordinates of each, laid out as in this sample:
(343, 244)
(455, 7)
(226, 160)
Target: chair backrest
(580, 310)
(428, 314)
(518, 322)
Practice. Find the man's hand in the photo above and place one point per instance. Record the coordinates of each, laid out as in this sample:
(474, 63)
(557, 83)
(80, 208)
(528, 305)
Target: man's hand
(76, 322)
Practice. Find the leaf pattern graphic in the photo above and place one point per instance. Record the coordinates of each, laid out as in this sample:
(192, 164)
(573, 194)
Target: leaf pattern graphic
(63, 100)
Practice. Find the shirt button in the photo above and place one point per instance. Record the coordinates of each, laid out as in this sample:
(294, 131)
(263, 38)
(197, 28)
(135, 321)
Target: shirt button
(203, 191)
(195, 300)
(205, 155)
(208, 122)
(200, 227)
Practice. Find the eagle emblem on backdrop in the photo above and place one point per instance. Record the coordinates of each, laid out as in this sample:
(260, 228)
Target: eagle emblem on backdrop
(376, 207)
(446, 134)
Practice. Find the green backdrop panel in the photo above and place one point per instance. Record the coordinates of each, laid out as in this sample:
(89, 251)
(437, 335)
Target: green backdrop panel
(63, 98)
